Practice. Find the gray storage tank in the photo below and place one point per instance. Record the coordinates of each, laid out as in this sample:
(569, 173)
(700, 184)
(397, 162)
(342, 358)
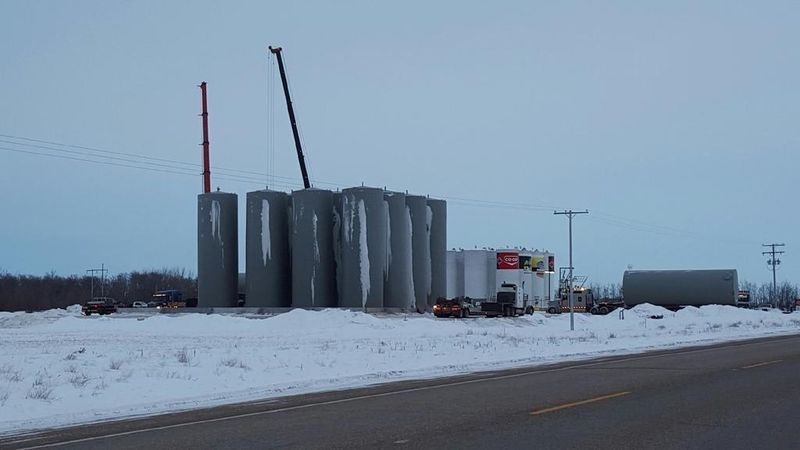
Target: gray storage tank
(217, 250)
(672, 288)
(364, 239)
(438, 230)
(313, 266)
(399, 287)
(269, 281)
(420, 249)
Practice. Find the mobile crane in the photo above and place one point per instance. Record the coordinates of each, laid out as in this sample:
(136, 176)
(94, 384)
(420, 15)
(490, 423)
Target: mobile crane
(300, 157)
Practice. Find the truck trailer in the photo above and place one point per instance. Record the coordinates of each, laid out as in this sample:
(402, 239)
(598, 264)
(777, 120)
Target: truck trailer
(674, 289)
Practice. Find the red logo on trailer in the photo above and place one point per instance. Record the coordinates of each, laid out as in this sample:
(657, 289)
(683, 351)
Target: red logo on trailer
(507, 260)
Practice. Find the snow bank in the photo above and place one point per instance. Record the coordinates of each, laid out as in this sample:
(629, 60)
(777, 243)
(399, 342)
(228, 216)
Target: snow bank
(59, 368)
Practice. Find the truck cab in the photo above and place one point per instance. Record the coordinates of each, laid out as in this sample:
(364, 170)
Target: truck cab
(582, 299)
(509, 302)
(743, 299)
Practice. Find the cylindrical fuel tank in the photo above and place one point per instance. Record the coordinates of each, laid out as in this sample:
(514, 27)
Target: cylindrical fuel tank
(420, 249)
(438, 230)
(478, 274)
(217, 250)
(672, 288)
(453, 258)
(313, 266)
(526, 278)
(399, 287)
(269, 280)
(508, 271)
(364, 239)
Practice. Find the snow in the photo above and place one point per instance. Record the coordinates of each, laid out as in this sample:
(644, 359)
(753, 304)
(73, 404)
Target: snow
(266, 240)
(363, 249)
(59, 368)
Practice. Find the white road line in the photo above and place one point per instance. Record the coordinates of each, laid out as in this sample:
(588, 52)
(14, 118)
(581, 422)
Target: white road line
(384, 394)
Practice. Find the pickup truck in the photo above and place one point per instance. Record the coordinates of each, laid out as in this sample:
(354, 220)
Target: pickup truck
(455, 307)
(100, 306)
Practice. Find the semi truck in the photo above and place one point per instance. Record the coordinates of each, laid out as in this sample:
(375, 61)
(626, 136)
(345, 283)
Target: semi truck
(583, 300)
(674, 289)
(509, 301)
(743, 299)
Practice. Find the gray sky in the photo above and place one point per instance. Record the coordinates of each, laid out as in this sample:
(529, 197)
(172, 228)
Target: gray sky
(674, 123)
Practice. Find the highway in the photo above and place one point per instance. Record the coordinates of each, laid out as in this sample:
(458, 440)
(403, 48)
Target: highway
(736, 395)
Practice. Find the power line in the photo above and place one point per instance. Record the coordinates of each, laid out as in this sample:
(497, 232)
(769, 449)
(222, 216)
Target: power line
(108, 163)
(155, 164)
(139, 159)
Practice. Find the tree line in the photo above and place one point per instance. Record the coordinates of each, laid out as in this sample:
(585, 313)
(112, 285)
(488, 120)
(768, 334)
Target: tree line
(37, 293)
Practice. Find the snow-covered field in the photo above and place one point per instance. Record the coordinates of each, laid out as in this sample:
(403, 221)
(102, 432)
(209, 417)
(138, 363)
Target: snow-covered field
(58, 368)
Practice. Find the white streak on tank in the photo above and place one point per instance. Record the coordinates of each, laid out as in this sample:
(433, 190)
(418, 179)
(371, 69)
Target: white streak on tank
(216, 231)
(266, 241)
(214, 218)
(347, 220)
(428, 221)
(388, 261)
(316, 255)
(409, 258)
(363, 252)
(314, 220)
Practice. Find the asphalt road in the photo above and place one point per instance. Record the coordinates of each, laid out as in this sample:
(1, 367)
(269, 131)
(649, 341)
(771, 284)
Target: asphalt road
(739, 395)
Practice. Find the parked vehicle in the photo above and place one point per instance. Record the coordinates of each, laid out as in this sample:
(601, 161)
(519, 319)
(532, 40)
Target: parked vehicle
(100, 306)
(583, 298)
(171, 298)
(456, 307)
(138, 304)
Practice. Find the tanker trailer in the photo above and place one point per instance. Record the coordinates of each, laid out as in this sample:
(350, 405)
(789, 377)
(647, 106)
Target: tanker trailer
(673, 289)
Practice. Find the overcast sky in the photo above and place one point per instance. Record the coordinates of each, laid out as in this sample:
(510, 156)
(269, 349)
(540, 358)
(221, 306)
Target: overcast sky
(674, 123)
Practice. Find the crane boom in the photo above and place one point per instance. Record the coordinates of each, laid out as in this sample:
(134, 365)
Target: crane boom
(300, 157)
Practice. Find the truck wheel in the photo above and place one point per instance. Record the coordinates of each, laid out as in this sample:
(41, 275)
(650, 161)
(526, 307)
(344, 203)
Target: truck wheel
(603, 310)
(593, 311)
(465, 313)
(529, 310)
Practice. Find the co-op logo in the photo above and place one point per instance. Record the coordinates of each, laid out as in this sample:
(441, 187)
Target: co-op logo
(508, 260)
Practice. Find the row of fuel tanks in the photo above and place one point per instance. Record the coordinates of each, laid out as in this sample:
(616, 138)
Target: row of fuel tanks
(361, 247)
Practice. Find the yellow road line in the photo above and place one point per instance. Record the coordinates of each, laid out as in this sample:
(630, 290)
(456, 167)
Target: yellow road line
(582, 402)
(761, 364)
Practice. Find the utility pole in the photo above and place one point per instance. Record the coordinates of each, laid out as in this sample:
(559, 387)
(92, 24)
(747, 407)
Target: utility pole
(102, 271)
(774, 262)
(570, 214)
